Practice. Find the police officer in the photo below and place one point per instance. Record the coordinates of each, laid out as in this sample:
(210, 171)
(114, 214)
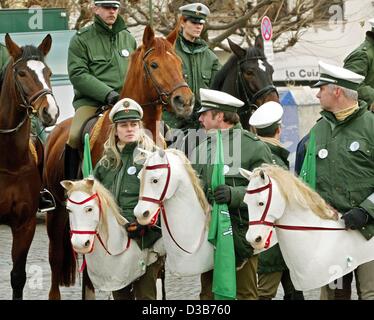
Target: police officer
(200, 64)
(344, 165)
(118, 172)
(272, 269)
(242, 149)
(98, 59)
(361, 61)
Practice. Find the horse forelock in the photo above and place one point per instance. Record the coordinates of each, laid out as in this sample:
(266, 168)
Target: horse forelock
(31, 53)
(294, 190)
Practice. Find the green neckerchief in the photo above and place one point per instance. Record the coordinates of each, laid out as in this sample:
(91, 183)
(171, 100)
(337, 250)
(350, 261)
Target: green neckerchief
(220, 235)
(308, 170)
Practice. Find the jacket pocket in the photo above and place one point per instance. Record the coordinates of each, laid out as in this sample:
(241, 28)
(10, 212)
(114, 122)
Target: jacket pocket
(206, 75)
(359, 192)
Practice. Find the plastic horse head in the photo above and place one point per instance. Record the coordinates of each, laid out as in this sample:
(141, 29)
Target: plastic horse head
(113, 260)
(169, 186)
(315, 245)
(247, 75)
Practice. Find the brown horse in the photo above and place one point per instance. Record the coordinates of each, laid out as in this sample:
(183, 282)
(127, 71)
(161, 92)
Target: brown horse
(25, 90)
(155, 80)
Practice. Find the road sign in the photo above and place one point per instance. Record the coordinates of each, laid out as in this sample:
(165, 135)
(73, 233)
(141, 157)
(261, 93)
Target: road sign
(266, 28)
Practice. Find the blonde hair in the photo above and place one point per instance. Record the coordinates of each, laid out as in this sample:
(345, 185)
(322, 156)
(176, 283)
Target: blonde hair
(112, 156)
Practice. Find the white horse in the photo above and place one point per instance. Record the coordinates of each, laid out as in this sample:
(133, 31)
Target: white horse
(315, 245)
(169, 186)
(113, 260)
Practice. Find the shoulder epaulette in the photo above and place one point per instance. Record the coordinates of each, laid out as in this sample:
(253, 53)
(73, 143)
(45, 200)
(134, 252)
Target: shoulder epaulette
(251, 135)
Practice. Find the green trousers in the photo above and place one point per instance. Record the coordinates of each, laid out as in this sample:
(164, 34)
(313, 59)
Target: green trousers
(143, 288)
(246, 282)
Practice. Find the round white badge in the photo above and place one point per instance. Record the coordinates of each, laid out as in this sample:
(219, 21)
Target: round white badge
(226, 169)
(323, 153)
(355, 145)
(131, 170)
(125, 53)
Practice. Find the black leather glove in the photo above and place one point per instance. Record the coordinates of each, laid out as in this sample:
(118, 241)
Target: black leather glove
(112, 98)
(135, 230)
(356, 218)
(222, 194)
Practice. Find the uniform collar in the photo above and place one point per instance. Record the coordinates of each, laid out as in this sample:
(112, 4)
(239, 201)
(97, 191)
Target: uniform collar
(117, 27)
(329, 116)
(199, 45)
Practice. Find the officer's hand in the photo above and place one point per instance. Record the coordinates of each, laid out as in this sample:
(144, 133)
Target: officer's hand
(112, 97)
(222, 194)
(355, 218)
(135, 230)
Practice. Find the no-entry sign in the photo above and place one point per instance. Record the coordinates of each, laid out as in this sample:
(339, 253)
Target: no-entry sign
(266, 28)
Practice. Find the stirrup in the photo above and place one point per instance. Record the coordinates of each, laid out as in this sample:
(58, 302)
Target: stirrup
(46, 194)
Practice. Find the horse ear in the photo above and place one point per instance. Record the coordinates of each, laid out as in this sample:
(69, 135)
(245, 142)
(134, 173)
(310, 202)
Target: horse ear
(67, 184)
(89, 181)
(172, 36)
(146, 152)
(46, 44)
(14, 50)
(262, 175)
(245, 173)
(259, 43)
(161, 153)
(148, 37)
(236, 49)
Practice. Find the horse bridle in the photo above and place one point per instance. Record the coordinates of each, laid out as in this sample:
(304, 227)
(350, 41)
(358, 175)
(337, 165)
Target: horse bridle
(250, 97)
(163, 95)
(27, 102)
(94, 232)
(263, 221)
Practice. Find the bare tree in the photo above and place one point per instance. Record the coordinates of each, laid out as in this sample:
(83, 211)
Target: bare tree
(239, 18)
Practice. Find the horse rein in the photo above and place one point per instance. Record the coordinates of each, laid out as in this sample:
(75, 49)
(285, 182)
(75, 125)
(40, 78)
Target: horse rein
(262, 220)
(160, 203)
(27, 102)
(250, 97)
(94, 232)
(163, 95)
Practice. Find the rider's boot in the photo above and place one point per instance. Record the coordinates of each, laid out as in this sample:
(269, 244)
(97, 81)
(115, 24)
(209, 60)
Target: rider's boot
(71, 163)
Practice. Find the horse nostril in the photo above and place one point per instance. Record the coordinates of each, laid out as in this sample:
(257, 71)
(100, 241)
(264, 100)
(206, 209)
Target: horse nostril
(258, 239)
(178, 102)
(87, 243)
(146, 214)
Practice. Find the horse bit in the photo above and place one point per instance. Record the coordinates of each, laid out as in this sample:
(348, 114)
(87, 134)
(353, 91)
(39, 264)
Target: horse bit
(163, 96)
(27, 102)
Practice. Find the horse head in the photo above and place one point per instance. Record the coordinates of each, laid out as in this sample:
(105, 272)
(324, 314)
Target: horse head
(264, 207)
(84, 209)
(31, 79)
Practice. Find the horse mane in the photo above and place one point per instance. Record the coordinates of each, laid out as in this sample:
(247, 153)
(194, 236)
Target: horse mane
(108, 203)
(294, 190)
(194, 179)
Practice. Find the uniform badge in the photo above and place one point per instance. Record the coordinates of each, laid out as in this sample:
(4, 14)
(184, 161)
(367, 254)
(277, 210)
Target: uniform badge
(125, 53)
(226, 169)
(355, 145)
(323, 153)
(131, 170)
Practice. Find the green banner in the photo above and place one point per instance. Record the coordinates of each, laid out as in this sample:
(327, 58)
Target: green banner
(87, 163)
(220, 235)
(308, 170)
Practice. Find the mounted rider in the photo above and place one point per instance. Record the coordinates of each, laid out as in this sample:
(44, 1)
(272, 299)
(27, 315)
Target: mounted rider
(98, 59)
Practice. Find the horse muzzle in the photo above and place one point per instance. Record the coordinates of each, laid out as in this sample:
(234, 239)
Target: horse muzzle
(82, 244)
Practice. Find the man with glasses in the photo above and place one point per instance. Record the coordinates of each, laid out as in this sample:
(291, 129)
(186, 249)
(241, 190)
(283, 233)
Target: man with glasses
(200, 64)
(98, 59)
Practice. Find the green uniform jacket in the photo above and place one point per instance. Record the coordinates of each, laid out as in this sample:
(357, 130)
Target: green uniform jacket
(242, 149)
(98, 58)
(272, 260)
(345, 178)
(4, 56)
(200, 66)
(361, 61)
(125, 188)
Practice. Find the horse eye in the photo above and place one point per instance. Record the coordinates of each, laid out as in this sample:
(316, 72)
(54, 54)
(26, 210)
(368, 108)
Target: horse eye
(154, 65)
(249, 72)
(68, 210)
(89, 210)
(261, 204)
(22, 73)
(155, 180)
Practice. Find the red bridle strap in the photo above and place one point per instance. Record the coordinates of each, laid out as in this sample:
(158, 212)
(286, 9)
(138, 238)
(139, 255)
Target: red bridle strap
(281, 226)
(160, 201)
